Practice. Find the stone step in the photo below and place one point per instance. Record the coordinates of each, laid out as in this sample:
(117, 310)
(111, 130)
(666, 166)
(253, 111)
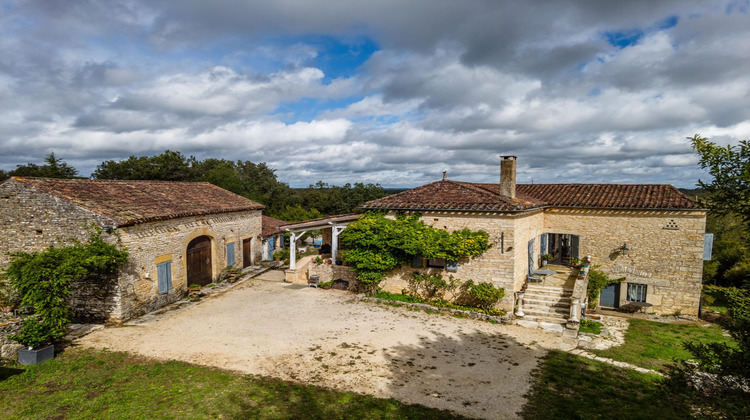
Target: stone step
(546, 312)
(551, 320)
(561, 303)
(547, 295)
(533, 286)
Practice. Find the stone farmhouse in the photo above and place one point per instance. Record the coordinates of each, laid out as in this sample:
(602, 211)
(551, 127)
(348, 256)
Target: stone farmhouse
(652, 235)
(177, 233)
(273, 237)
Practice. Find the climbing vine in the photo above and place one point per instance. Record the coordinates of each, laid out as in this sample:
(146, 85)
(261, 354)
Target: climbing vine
(375, 244)
(43, 280)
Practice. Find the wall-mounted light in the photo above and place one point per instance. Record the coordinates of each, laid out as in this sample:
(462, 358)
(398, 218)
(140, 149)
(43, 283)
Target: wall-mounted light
(624, 249)
(109, 229)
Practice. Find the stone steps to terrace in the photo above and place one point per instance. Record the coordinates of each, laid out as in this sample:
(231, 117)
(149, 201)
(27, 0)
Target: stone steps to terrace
(547, 305)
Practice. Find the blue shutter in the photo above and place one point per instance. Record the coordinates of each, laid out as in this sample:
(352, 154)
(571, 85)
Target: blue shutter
(164, 276)
(708, 246)
(451, 266)
(574, 246)
(230, 254)
(543, 244)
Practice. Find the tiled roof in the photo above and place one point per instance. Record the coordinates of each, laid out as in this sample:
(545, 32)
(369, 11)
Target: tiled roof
(271, 226)
(131, 202)
(453, 195)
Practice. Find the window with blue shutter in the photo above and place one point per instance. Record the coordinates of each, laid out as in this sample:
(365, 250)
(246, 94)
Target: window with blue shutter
(230, 254)
(451, 266)
(164, 276)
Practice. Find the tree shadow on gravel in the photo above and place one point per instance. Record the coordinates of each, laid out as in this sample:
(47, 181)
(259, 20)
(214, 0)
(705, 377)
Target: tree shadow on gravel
(474, 374)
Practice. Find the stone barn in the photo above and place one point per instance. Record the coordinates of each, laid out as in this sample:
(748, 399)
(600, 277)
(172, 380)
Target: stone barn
(177, 233)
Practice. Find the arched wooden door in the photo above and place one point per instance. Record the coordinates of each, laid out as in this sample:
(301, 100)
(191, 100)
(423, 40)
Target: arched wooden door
(199, 261)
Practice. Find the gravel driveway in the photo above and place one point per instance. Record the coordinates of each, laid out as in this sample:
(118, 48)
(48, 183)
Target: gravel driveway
(326, 337)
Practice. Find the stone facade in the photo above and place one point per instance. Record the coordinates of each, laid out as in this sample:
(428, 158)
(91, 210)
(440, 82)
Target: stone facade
(167, 240)
(31, 221)
(666, 250)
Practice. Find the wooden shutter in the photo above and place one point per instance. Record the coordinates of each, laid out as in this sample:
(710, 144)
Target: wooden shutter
(164, 276)
(230, 254)
(416, 261)
(531, 256)
(574, 241)
(543, 244)
(708, 246)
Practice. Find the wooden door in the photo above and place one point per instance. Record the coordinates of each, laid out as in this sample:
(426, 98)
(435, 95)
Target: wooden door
(247, 252)
(199, 261)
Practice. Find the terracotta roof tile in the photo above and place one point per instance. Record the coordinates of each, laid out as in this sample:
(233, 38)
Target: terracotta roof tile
(131, 202)
(271, 226)
(453, 195)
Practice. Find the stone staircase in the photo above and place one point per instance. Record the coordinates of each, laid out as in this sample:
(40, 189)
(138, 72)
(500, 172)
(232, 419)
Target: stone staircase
(547, 304)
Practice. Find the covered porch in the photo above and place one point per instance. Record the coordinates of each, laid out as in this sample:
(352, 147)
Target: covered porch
(331, 228)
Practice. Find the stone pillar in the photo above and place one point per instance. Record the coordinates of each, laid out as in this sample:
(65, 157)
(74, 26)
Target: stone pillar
(574, 310)
(519, 303)
(293, 251)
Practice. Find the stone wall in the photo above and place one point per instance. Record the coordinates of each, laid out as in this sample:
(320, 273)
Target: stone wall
(329, 272)
(167, 240)
(8, 347)
(94, 298)
(32, 222)
(665, 251)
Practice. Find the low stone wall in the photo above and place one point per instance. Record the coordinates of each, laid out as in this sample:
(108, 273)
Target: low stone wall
(329, 272)
(300, 274)
(8, 347)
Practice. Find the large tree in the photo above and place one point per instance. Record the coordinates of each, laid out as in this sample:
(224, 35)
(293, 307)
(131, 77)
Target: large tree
(54, 168)
(168, 166)
(729, 191)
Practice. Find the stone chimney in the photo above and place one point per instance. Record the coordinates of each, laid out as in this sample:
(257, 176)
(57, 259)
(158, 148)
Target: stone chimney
(508, 176)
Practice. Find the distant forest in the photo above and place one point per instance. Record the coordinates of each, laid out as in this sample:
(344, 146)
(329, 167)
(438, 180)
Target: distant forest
(255, 181)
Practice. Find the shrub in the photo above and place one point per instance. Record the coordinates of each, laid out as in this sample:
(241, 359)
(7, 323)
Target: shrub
(484, 295)
(590, 326)
(43, 280)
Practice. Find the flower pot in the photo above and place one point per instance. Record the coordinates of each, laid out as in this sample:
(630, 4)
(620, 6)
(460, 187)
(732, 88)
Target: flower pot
(544, 262)
(29, 356)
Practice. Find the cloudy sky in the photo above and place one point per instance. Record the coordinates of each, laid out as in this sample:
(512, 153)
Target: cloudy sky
(390, 92)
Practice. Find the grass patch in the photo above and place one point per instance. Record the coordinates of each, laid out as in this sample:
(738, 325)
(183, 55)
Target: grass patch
(85, 383)
(653, 345)
(397, 297)
(573, 387)
(589, 326)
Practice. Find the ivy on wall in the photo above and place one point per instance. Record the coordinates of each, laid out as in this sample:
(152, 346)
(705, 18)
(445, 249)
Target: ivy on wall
(375, 244)
(43, 280)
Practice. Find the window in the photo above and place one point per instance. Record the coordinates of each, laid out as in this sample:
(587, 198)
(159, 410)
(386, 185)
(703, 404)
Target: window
(164, 276)
(451, 266)
(636, 292)
(416, 261)
(230, 254)
(436, 262)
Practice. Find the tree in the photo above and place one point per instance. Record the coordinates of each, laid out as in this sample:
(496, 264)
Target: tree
(729, 192)
(3, 175)
(55, 168)
(168, 166)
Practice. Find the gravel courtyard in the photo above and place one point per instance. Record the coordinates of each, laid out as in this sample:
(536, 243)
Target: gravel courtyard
(326, 337)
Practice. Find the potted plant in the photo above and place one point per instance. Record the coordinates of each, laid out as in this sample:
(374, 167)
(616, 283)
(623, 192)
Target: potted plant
(547, 258)
(318, 260)
(37, 339)
(278, 255)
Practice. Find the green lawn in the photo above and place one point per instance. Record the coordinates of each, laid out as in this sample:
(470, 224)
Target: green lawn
(85, 384)
(653, 345)
(573, 387)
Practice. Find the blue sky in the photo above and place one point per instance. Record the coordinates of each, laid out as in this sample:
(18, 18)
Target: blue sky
(384, 92)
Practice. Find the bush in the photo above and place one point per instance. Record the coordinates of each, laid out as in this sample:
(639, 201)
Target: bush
(43, 280)
(484, 295)
(589, 326)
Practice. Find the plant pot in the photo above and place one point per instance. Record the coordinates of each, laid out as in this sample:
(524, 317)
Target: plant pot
(27, 356)
(544, 262)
